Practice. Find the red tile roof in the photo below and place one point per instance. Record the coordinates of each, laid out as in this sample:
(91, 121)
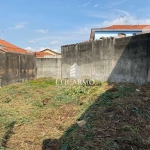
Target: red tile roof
(123, 27)
(41, 54)
(6, 46)
(119, 28)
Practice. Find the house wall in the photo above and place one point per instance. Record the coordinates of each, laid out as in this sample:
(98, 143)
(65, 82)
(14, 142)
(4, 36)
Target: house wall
(48, 67)
(115, 60)
(15, 67)
(99, 34)
(51, 52)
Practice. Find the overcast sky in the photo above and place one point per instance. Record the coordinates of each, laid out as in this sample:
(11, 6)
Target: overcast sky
(39, 24)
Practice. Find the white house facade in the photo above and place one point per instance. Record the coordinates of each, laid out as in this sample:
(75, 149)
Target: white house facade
(126, 30)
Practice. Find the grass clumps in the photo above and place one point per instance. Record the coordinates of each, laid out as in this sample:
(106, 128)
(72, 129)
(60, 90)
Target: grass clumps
(40, 114)
(117, 120)
(40, 110)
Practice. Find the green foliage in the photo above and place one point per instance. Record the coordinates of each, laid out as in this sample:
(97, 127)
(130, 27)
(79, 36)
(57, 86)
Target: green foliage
(24, 104)
(125, 90)
(98, 83)
(41, 82)
(73, 94)
(7, 100)
(65, 147)
(10, 125)
(72, 129)
(24, 120)
(2, 148)
(107, 97)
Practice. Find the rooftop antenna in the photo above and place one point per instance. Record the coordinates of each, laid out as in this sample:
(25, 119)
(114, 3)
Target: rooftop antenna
(125, 20)
(137, 20)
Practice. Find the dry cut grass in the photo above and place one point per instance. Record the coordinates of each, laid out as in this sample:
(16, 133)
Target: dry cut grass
(39, 115)
(37, 110)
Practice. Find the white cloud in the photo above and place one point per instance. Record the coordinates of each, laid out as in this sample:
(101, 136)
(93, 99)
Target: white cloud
(112, 14)
(96, 5)
(55, 42)
(84, 30)
(111, 5)
(42, 31)
(19, 25)
(100, 15)
(117, 16)
(37, 49)
(84, 5)
(132, 6)
(123, 17)
(32, 41)
(121, 12)
(107, 23)
(82, 33)
(145, 21)
(64, 38)
(41, 48)
(56, 50)
(30, 49)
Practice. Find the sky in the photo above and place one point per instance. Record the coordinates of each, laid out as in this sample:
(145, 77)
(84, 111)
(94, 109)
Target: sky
(39, 24)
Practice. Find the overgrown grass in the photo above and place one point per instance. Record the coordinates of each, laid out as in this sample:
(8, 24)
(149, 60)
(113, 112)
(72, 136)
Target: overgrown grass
(117, 116)
(118, 120)
(39, 109)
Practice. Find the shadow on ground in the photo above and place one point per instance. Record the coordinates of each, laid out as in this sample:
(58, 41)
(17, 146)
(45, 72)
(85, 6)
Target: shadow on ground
(118, 120)
(7, 134)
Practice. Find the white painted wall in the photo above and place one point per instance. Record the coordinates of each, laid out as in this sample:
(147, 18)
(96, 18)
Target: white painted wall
(99, 34)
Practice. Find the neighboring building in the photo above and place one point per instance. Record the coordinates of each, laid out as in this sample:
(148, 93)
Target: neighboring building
(47, 53)
(8, 47)
(42, 54)
(124, 30)
(16, 64)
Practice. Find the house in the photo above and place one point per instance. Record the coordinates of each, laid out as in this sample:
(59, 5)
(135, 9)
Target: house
(114, 30)
(8, 47)
(42, 54)
(47, 53)
(16, 64)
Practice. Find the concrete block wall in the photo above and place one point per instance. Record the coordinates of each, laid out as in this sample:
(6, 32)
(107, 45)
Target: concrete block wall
(16, 67)
(48, 67)
(2, 67)
(116, 60)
